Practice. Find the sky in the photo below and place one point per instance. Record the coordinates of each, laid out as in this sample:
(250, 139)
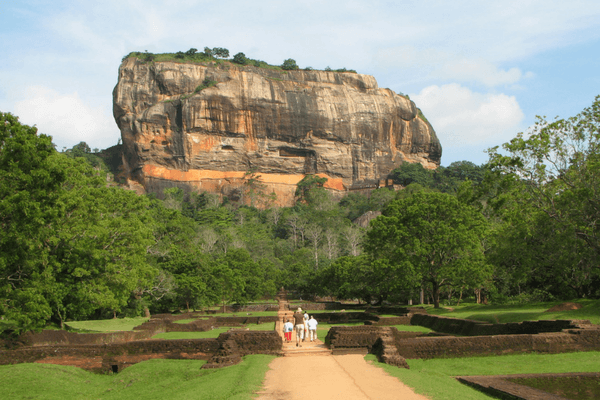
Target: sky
(479, 70)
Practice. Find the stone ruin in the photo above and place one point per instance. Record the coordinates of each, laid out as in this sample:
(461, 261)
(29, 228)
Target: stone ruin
(451, 337)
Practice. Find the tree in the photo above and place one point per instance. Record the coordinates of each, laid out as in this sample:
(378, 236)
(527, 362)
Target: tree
(549, 179)
(71, 245)
(559, 162)
(191, 52)
(240, 58)
(220, 52)
(28, 203)
(208, 52)
(310, 189)
(437, 239)
(289, 64)
(408, 173)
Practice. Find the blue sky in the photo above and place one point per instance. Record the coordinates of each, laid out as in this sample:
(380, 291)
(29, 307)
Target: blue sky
(479, 70)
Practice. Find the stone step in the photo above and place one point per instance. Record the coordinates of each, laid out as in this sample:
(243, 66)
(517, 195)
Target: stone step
(302, 352)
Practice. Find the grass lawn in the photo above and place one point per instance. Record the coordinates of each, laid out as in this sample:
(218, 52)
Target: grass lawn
(267, 326)
(519, 313)
(108, 325)
(434, 378)
(323, 328)
(412, 328)
(154, 379)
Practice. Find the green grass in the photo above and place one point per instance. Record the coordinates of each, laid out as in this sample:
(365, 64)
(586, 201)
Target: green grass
(108, 325)
(519, 313)
(249, 314)
(323, 328)
(434, 378)
(412, 328)
(267, 326)
(212, 334)
(154, 379)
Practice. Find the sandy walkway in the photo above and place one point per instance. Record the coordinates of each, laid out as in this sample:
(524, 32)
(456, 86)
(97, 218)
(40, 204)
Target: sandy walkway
(347, 377)
(312, 373)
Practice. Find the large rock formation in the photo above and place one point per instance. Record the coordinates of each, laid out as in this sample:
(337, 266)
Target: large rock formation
(205, 126)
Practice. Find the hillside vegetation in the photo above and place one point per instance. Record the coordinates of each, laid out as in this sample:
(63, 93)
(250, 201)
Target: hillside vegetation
(220, 55)
(76, 246)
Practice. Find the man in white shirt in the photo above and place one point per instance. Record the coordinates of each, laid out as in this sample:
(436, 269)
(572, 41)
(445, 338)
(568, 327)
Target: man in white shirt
(312, 328)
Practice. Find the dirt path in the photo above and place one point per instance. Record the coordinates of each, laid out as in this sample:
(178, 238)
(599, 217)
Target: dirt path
(311, 372)
(331, 377)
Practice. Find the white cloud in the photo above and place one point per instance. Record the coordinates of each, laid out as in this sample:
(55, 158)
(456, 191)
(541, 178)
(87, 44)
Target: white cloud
(436, 64)
(66, 118)
(462, 117)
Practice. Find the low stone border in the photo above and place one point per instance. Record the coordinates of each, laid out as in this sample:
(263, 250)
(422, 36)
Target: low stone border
(465, 327)
(411, 345)
(499, 385)
(117, 356)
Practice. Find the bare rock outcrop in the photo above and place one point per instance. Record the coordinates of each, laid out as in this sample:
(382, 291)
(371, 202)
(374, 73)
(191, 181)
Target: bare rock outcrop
(205, 126)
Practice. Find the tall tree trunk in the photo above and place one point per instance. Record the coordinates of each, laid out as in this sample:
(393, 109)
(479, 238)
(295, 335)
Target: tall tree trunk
(436, 294)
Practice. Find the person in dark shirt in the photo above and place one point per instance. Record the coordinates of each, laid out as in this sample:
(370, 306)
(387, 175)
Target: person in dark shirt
(299, 326)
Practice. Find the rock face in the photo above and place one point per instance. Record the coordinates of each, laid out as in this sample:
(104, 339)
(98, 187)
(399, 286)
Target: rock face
(205, 126)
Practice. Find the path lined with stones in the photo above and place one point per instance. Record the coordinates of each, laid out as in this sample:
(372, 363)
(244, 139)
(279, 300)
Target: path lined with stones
(312, 372)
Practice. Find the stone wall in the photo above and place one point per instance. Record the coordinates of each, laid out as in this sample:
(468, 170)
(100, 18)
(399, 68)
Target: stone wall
(56, 337)
(412, 345)
(451, 346)
(117, 356)
(465, 327)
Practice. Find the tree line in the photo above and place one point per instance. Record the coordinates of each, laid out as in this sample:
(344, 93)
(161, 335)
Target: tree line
(75, 245)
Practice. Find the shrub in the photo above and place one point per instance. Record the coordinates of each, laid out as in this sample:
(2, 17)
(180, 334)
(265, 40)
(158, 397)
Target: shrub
(240, 58)
(289, 64)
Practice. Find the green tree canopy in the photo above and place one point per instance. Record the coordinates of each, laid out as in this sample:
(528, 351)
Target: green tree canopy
(434, 237)
(240, 58)
(289, 64)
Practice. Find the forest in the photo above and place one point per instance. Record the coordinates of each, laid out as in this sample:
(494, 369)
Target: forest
(74, 245)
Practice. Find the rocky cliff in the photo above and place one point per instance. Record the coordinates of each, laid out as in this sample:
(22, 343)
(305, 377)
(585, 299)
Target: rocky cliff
(205, 126)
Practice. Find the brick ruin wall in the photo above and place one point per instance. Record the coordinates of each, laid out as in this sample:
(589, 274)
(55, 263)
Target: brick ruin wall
(117, 350)
(465, 327)
(452, 346)
(113, 351)
(547, 337)
(116, 356)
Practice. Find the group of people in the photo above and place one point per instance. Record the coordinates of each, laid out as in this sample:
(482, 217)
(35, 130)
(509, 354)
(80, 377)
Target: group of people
(305, 326)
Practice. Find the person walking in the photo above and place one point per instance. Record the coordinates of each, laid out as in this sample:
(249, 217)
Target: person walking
(288, 327)
(305, 337)
(312, 328)
(299, 325)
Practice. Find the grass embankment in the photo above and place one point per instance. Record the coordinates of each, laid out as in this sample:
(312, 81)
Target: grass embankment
(214, 333)
(521, 312)
(107, 325)
(154, 379)
(435, 378)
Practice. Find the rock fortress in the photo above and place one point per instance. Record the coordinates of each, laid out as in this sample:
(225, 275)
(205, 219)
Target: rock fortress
(217, 126)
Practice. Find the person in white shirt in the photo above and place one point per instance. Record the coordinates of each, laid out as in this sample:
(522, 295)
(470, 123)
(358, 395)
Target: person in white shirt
(312, 328)
(305, 326)
(288, 327)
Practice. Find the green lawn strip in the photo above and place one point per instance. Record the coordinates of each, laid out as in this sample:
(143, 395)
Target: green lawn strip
(185, 321)
(323, 328)
(434, 378)
(181, 379)
(267, 326)
(519, 313)
(108, 325)
(212, 334)
(412, 328)
(249, 314)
